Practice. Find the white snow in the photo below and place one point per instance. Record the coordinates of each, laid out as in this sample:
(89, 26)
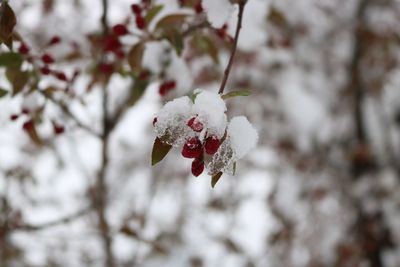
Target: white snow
(218, 12)
(242, 135)
(211, 109)
(171, 121)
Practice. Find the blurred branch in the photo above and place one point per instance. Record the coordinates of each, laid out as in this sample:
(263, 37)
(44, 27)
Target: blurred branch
(61, 221)
(241, 4)
(69, 113)
(355, 78)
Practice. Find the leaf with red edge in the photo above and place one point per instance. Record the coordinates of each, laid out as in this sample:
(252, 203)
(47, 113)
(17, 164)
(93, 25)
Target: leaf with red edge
(160, 150)
(215, 178)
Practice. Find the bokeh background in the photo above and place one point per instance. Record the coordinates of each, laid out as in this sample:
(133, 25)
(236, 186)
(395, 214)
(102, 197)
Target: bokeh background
(320, 190)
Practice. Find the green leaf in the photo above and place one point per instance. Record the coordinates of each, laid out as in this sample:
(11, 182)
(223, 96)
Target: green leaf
(215, 179)
(17, 78)
(160, 150)
(7, 21)
(236, 93)
(234, 168)
(135, 57)
(3, 92)
(152, 13)
(175, 38)
(193, 96)
(137, 91)
(168, 27)
(171, 21)
(206, 45)
(10, 60)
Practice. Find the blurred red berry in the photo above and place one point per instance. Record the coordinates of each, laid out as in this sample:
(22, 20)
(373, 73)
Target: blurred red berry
(195, 124)
(199, 7)
(111, 43)
(120, 29)
(28, 125)
(192, 148)
(222, 32)
(13, 117)
(197, 166)
(47, 59)
(45, 70)
(23, 49)
(54, 40)
(136, 9)
(166, 86)
(120, 54)
(106, 68)
(61, 76)
(140, 22)
(144, 75)
(58, 129)
(211, 145)
(25, 111)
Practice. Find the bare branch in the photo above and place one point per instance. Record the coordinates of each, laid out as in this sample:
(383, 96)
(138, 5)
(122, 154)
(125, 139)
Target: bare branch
(241, 4)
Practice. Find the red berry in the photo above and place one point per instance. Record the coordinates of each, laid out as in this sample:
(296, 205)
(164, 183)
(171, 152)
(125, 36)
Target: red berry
(166, 86)
(136, 9)
(197, 166)
(144, 75)
(199, 7)
(140, 22)
(106, 68)
(58, 129)
(154, 121)
(25, 111)
(111, 43)
(195, 124)
(120, 29)
(13, 117)
(120, 54)
(211, 145)
(61, 76)
(221, 32)
(47, 59)
(23, 49)
(55, 40)
(181, 2)
(28, 125)
(45, 70)
(192, 148)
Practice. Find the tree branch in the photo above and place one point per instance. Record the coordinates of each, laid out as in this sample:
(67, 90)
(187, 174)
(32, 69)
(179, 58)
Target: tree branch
(61, 221)
(241, 4)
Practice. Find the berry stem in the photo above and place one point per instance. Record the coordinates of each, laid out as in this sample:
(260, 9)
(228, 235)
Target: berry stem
(241, 4)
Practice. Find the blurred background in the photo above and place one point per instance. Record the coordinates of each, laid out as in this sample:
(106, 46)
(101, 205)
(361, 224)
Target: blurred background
(320, 190)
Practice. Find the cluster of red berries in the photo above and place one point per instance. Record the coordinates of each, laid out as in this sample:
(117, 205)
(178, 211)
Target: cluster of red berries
(46, 59)
(139, 20)
(194, 148)
(29, 125)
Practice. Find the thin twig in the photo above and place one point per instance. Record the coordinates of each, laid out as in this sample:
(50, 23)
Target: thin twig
(241, 4)
(60, 221)
(69, 113)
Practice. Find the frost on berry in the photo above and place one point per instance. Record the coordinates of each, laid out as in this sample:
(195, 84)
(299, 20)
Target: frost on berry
(211, 145)
(222, 159)
(171, 121)
(193, 148)
(211, 108)
(195, 124)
